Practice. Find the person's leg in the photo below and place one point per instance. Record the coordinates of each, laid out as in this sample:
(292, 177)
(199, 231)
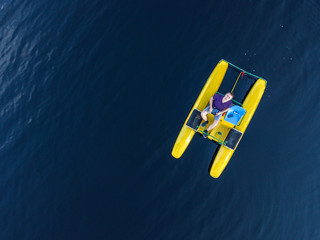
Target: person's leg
(206, 132)
(204, 114)
(215, 122)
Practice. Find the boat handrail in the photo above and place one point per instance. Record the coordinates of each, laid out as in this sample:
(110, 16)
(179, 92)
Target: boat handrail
(217, 139)
(255, 77)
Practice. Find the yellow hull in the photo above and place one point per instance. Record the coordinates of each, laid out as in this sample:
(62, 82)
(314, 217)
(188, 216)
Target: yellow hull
(212, 85)
(250, 104)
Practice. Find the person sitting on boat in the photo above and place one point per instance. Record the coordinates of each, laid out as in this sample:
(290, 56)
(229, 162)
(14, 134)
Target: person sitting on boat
(218, 105)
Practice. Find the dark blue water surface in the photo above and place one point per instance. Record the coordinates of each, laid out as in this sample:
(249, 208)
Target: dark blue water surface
(94, 93)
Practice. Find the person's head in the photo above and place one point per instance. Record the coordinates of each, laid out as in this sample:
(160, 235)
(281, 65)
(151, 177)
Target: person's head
(228, 96)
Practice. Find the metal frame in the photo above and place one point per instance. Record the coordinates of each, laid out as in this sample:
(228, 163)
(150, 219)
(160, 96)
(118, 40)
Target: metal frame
(217, 139)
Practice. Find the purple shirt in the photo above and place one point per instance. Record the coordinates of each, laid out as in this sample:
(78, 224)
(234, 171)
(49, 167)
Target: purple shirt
(217, 102)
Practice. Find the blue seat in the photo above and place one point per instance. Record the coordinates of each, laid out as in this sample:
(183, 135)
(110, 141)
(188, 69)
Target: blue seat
(234, 114)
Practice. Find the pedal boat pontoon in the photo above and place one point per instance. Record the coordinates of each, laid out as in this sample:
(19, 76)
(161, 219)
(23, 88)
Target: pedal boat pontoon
(232, 124)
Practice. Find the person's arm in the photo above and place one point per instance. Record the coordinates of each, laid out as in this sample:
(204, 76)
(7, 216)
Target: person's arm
(226, 109)
(223, 111)
(211, 101)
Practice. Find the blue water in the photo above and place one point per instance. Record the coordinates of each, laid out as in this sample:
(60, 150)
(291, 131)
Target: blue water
(94, 93)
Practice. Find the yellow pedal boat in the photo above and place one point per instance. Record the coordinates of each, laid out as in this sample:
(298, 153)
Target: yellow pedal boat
(231, 126)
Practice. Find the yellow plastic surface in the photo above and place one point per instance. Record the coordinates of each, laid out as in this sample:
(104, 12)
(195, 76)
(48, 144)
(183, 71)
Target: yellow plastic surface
(212, 85)
(250, 104)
